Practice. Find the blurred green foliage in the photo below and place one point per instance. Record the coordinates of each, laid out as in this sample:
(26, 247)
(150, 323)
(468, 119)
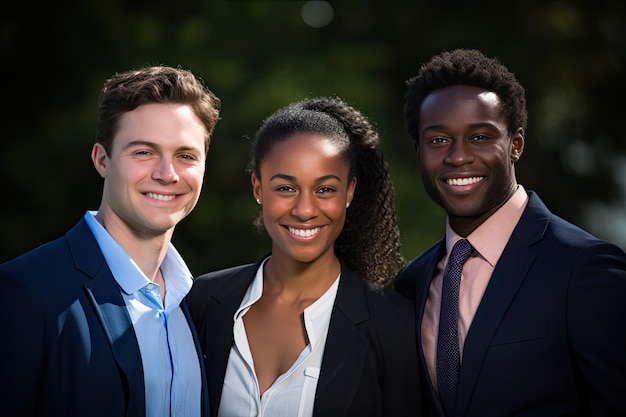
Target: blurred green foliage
(260, 55)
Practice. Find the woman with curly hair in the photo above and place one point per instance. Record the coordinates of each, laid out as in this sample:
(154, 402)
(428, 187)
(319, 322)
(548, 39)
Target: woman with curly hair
(313, 329)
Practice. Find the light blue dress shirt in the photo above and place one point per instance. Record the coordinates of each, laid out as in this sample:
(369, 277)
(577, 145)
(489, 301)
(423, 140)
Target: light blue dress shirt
(170, 362)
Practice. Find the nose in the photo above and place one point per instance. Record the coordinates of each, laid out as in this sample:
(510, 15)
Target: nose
(305, 207)
(459, 153)
(165, 171)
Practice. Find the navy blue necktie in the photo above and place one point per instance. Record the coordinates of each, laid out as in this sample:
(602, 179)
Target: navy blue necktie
(448, 362)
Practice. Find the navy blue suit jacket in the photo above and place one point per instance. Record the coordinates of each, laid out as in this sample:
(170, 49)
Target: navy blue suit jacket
(68, 345)
(549, 336)
(370, 365)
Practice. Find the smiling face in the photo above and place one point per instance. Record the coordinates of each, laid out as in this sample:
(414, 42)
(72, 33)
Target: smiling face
(466, 154)
(304, 188)
(153, 176)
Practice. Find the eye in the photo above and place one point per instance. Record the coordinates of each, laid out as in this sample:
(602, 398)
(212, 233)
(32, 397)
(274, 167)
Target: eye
(479, 137)
(285, 189)
(438, 140)
(326, 190)
(188, 157)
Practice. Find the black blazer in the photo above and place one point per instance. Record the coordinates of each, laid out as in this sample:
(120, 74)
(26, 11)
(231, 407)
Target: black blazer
(68, 345)
(548, 338)
(369, 366)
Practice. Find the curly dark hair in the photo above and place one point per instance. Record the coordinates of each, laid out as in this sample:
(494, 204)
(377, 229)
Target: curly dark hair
(465, 67)
(126, 91)
(370, 240)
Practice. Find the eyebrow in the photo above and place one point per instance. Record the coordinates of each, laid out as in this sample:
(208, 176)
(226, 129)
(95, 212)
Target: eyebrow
(472, 125)
(154, 145)
(294, 179)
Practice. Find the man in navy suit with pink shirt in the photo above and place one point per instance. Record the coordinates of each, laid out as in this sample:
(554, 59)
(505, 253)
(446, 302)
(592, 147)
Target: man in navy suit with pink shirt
(540, 308)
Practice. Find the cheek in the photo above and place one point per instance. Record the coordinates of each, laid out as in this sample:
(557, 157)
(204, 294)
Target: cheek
(428, 162)
(500, 158)
(273, 209)
(334, 210)
(194, 176)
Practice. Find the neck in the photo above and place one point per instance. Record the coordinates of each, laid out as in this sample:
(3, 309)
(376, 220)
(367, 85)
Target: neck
(283, 275)
(147, 252)
(464, 226)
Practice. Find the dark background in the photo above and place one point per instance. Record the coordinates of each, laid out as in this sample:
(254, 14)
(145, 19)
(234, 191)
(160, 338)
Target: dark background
(260, 55)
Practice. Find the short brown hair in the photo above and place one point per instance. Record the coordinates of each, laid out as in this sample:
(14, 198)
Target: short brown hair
(128, 90)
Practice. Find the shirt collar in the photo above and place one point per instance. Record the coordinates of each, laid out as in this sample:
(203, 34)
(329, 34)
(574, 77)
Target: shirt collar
(253, 293)
(314, 315)
(490, 238)
(127, 274)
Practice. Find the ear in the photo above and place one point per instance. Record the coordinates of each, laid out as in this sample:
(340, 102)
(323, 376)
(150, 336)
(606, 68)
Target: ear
(100, 159)
(256, 187)
(517, 145)
(351, 189)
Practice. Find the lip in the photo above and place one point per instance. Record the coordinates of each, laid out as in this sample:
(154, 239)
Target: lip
(303, 233)
(462, 184)
(160, 197)
(462, 181)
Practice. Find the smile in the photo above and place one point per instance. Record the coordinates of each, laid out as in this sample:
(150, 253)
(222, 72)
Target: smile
(304, 232)
(161, 197)
(464, 181)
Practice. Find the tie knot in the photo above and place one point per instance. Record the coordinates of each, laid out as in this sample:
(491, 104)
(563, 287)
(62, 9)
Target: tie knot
(461, 251)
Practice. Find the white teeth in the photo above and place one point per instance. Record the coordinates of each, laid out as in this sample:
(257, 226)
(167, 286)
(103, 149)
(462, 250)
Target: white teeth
(161, 197)
(304, 232)
(464, 181)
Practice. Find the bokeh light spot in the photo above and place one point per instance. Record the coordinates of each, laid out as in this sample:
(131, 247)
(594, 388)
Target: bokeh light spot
(317, 14)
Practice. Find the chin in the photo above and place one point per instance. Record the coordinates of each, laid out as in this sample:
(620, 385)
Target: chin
(303, 257)
(461, 210)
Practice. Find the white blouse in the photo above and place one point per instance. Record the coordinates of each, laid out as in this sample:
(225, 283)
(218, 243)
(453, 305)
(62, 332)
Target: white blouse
(293, 393)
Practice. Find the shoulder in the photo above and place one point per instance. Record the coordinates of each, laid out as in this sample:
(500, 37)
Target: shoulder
(382, 302)
(386, 305)
(406, 281)
(45, 258)
(218, 284)
(385, 317)
(557, 232)
(563, 248)
(223, 274)
(43, 279)
(77, 247)
(424, 258)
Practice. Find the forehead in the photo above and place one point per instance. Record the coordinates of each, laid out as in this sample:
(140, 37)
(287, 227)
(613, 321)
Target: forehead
(304, 151)
(173, 125)
(461, 100)
(305, 142)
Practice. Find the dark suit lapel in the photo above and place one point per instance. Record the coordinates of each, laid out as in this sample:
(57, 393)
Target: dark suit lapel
(424, 273)
(507, 277)
(345, 349)
(220, 327)
(105, 296)
(204, 400)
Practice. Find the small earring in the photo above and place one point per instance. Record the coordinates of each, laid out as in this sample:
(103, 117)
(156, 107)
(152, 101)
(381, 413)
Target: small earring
(258, 201)
(347, 204)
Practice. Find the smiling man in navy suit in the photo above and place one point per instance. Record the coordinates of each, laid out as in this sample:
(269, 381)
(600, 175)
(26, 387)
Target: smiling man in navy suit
(93, 323)
(541, 307)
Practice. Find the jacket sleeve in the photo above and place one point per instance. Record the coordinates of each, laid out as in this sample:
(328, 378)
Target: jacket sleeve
(596, 314)
(22, 347)
(402, 390)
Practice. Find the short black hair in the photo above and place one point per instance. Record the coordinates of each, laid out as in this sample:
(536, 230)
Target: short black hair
(465, 67)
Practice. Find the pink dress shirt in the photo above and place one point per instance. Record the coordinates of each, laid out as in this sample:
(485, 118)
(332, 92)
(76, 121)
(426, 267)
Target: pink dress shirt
(488, 240)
